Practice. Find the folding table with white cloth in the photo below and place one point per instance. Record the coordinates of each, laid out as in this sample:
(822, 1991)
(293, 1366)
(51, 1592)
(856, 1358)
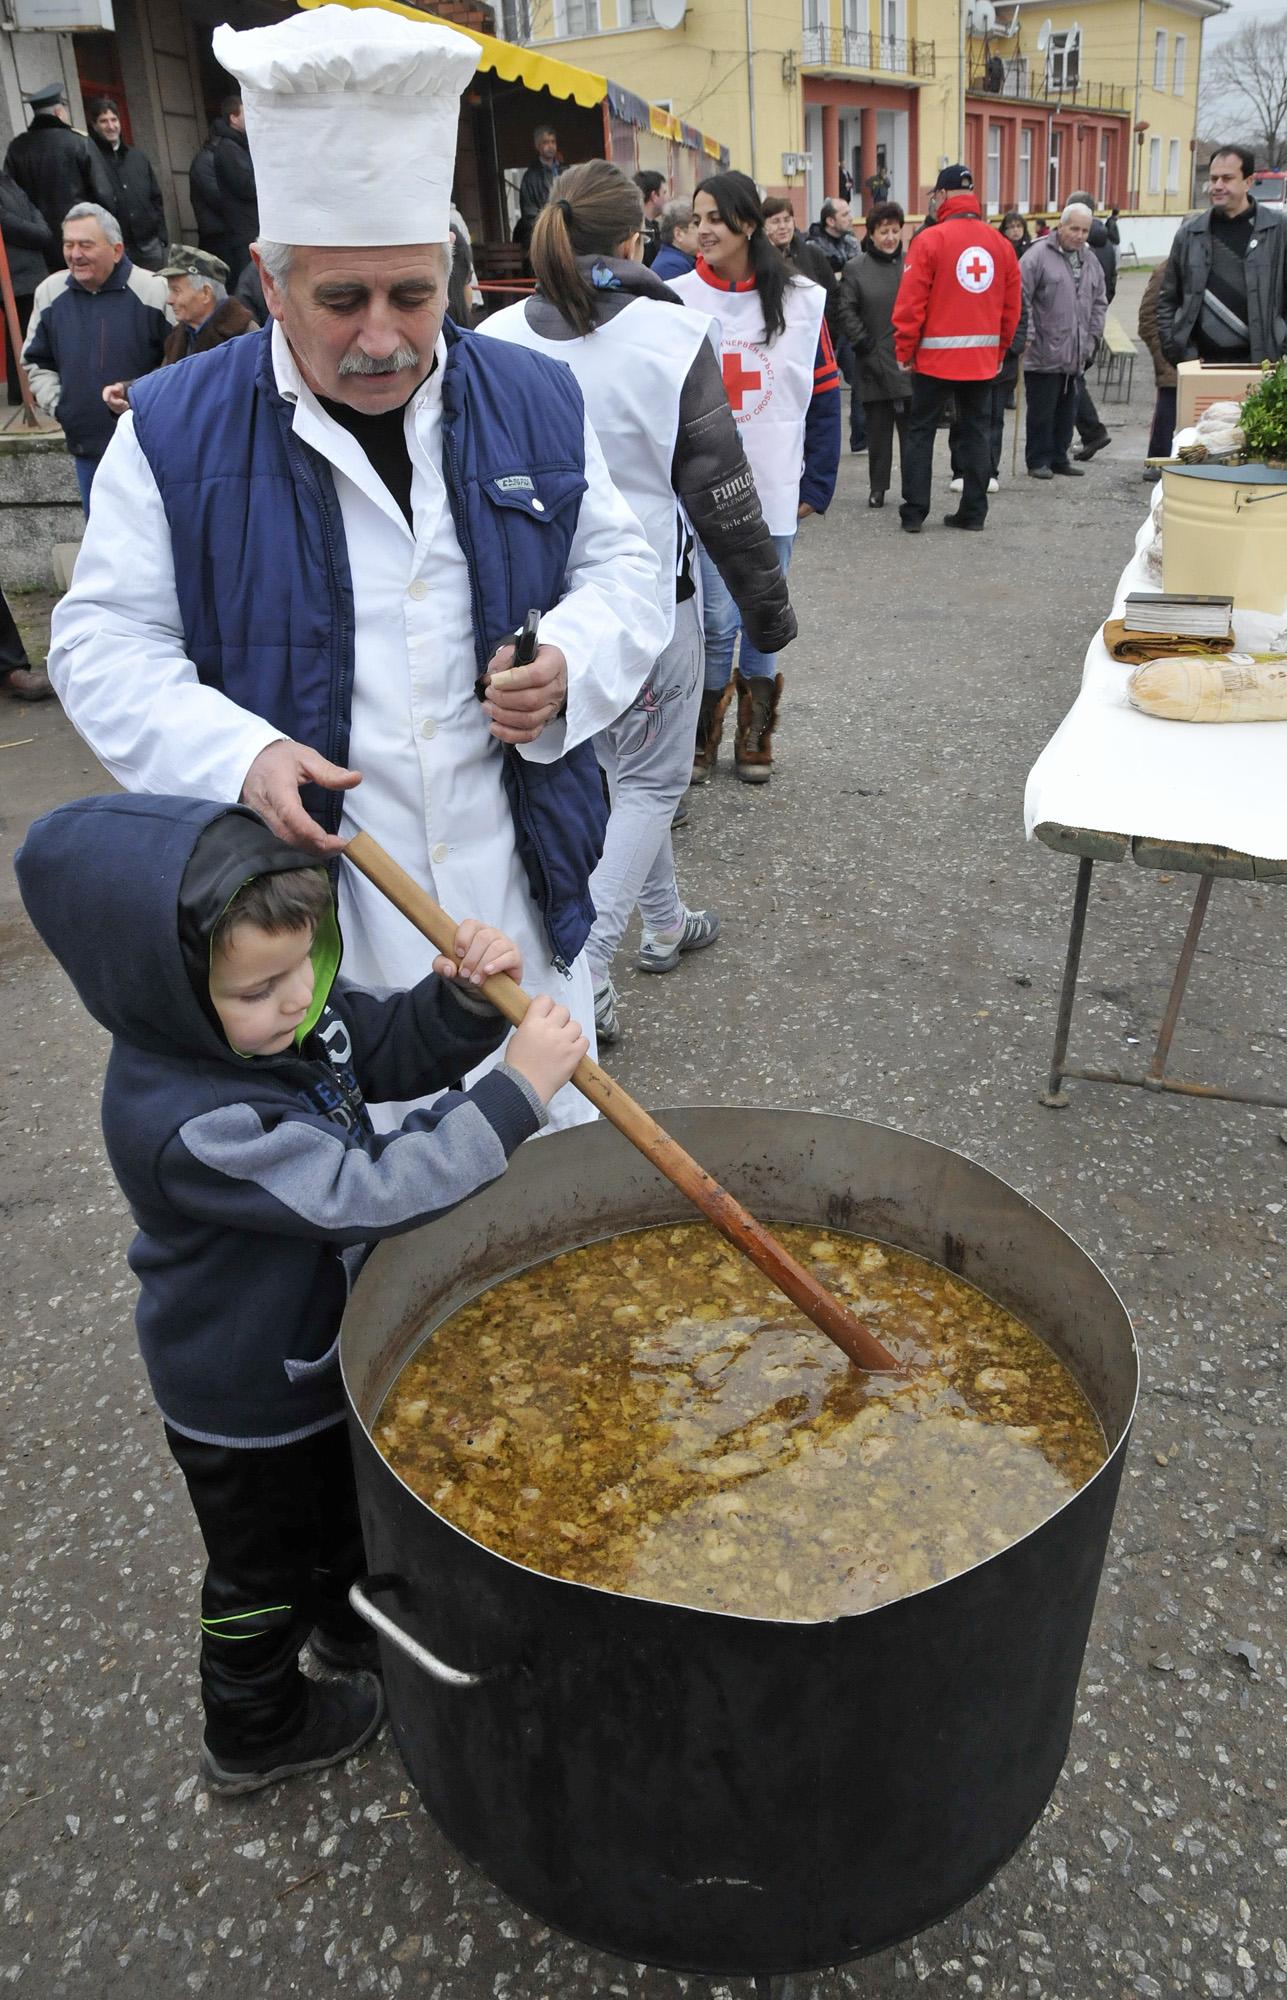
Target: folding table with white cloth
(1202, 799)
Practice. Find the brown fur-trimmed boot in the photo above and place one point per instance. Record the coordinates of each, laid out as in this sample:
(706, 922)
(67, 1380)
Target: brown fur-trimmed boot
(710, 728)
(757, 714)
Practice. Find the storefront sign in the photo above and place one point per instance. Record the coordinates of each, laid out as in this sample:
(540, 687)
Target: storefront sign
(63, 16)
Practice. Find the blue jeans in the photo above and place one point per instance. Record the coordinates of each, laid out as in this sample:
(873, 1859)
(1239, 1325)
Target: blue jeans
(722, 621)
(85, 470)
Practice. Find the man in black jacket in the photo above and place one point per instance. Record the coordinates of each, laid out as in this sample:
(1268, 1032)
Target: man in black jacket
(54, 166)
(136, 200)
(537, 183)
(31, 249)
(203, 184)
(1224, 293)
(235, 181)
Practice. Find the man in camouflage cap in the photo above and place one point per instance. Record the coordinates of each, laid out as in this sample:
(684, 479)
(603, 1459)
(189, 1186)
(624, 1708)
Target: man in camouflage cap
(197, 282)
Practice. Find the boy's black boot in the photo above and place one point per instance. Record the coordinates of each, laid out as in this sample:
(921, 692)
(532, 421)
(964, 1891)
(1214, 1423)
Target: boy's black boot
(338, 1718)
(356, 1653)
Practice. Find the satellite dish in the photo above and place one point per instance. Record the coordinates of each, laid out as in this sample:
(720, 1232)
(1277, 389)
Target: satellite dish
(669, 13)
(1043, 36)
(983, 17)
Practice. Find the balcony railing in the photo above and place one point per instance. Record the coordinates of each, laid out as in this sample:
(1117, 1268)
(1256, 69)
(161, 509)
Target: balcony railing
(850, 48)
(1033, 80)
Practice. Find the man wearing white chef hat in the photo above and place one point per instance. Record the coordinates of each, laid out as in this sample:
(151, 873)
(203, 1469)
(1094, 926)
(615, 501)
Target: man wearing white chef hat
(309, 544)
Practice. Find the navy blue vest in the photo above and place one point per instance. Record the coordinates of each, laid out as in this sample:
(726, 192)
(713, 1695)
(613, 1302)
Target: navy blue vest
(262, 571)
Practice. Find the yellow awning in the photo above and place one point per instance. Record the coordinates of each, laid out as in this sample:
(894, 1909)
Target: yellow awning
(511, 64)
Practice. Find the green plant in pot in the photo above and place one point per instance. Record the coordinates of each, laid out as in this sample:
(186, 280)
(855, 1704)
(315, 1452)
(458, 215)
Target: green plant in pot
(1264, 418)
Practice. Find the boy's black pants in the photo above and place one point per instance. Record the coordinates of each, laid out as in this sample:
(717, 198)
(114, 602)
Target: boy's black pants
(280, 1525)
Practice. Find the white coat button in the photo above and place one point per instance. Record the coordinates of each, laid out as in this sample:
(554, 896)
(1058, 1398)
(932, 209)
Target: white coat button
(438, 852)
(418, 589)
(538, 506)
(429, 729)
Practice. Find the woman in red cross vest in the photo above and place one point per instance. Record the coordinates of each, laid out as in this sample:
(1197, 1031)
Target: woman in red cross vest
(784, 391)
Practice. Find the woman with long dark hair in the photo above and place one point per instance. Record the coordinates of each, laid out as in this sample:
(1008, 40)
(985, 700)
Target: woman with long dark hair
(868, 287)
(654, 394)
(784, 390)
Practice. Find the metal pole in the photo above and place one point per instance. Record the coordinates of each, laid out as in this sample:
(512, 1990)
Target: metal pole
(750, 83)
(960, 106)
(30, 414)
(1054, 1097)
(1187, 955)
(1139, 150)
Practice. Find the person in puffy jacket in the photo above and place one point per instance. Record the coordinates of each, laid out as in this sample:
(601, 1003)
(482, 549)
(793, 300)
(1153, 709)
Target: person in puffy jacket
(655, 395)
(868, 289)
(31, 249)
(1065, 297)
(136, 193)
(203, 184)
(235, 1118)
(235, 181)
(954, 317)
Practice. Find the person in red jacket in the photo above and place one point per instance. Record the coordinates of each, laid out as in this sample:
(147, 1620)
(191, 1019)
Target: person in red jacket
(954, 318)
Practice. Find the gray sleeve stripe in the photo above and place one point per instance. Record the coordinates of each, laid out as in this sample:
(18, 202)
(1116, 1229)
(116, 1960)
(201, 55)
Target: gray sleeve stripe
(336, 1187)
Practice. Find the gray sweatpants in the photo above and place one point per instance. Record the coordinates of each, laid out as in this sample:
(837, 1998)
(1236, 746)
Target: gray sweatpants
(647, 758)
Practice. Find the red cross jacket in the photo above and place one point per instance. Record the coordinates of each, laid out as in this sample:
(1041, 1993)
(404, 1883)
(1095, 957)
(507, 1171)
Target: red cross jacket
(959, 302)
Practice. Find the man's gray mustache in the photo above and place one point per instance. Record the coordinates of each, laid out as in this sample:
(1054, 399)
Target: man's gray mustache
(405, 356)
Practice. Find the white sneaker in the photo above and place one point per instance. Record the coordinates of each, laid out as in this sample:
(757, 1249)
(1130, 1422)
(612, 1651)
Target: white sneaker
(993, 487)
(957, 486)
(660, 951)
(607, 1027)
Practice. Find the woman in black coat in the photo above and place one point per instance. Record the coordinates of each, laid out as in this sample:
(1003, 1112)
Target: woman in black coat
(865, 309)
(136, 195)
(31, 249)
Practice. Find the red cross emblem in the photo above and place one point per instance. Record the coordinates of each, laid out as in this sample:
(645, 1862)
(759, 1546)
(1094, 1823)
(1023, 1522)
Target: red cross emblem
(975, 269)
(737, 380)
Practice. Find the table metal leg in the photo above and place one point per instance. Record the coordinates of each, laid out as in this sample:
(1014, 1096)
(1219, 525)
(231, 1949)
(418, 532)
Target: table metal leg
(1054, 1096)
(1188, 953)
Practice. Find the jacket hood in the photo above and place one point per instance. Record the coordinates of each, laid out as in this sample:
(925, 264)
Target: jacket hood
(963, 206)
(1098, 236)
(125, 891)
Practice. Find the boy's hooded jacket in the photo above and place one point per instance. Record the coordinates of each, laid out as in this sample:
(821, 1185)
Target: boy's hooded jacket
(250, 1177)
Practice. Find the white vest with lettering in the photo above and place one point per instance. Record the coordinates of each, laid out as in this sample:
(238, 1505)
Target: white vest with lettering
(632, 371)
(769, 383)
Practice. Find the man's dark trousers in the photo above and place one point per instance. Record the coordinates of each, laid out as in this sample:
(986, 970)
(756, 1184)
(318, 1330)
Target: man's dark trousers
(1090, 424)
(280, 1525)
(930, 394)
(1052, 413)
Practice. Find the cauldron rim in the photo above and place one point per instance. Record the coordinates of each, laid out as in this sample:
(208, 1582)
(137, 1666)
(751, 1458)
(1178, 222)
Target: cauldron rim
(542, 1576)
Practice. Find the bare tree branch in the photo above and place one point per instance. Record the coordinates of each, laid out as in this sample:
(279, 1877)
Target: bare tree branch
(1246, 79)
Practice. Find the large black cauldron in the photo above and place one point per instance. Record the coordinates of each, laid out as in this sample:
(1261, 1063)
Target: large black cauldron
(718, 1793)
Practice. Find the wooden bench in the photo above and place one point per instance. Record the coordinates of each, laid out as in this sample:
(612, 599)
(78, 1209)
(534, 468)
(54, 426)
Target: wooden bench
(1116, 361)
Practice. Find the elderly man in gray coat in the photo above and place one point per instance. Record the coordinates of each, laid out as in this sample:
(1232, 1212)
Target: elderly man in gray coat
(1066, 299)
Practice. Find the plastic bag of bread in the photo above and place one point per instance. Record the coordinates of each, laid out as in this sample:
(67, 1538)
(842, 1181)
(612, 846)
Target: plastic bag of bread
(1237, 688)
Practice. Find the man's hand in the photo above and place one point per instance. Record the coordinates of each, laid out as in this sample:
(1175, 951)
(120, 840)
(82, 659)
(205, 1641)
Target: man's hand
(272, 788)
(116, 399)
(521, 700)
(804, 510)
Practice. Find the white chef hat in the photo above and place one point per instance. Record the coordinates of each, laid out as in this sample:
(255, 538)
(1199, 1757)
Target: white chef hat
(351, 117)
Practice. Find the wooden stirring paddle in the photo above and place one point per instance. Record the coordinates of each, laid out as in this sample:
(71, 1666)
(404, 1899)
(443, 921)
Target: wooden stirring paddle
(643, 1131)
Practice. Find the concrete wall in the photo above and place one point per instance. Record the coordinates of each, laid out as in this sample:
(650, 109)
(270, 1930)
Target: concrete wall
(39, 507)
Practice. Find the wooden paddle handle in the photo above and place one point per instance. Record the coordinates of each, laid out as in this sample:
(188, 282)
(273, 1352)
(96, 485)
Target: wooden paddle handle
(642, 1130)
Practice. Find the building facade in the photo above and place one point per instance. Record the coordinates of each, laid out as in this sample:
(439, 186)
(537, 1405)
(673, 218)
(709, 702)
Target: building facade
(1041, 100)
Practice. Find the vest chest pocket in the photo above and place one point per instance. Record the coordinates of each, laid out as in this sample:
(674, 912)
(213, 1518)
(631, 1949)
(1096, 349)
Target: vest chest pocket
(539, 496)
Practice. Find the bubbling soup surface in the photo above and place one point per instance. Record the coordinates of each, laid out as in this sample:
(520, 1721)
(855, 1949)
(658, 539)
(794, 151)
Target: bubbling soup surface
(650, 1415)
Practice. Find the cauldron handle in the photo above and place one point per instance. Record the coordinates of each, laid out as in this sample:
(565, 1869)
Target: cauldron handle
(428, 1662)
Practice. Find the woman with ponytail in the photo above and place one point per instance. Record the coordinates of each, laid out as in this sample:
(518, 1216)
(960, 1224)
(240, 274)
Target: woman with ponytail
(784, 389)
(650, 376)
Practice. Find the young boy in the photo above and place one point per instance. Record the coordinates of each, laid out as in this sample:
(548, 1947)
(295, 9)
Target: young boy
(235, 1120)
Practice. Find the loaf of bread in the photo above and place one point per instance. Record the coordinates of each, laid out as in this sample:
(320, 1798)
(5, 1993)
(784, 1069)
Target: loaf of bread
(1237, 688)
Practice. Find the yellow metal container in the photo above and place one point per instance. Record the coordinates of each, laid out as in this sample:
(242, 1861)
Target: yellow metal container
(1224, 531)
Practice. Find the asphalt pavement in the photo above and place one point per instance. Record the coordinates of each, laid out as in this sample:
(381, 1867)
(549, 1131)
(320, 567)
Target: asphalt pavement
(892, 949)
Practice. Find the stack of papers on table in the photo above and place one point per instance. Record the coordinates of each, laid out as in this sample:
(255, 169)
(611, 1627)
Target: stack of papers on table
(1179, 613)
